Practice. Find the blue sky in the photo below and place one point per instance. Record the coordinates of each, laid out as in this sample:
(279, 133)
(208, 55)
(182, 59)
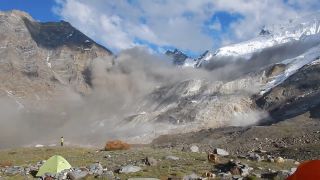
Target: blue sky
(38, 9)
(190, 25)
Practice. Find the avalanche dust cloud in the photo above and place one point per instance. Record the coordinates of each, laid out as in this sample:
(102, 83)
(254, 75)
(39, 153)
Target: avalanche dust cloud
(96, 117)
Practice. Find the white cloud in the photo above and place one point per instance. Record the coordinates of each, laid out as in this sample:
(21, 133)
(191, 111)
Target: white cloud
(179, 23)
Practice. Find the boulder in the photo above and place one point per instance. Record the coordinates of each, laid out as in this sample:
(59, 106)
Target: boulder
(96, 169)
(221, 152)
(279, 160)
(174, 158)
(116, 145)
(213, 158)
(254, 157)
(150, 161)
(208, 175)
(63, 174)
(129, 169)
(107, 156)
(194, 148)
(14, 170)
(77, 175)
(245, 170)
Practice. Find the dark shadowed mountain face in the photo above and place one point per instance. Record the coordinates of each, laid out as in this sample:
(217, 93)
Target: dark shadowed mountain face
(37, 59)
(296, 95)
(53, 35)
(177, 56)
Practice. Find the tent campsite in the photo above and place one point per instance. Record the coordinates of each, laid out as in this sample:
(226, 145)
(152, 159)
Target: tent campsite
(54, 164)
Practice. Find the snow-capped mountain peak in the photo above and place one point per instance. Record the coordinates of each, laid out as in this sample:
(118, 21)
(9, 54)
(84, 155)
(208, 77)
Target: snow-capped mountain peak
(274, 35)
(294, 30)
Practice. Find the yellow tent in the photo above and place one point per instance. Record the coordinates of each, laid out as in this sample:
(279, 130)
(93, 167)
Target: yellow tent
(55, 164)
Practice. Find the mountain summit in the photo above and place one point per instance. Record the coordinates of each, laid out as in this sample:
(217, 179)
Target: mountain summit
(300, 30)
(38, 59)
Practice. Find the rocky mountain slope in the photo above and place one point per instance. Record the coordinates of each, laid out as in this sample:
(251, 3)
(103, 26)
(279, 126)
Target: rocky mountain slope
(268, 79)
(37, 60)
(139, 98)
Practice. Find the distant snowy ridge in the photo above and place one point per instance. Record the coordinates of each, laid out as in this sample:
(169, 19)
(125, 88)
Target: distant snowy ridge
(295, 30)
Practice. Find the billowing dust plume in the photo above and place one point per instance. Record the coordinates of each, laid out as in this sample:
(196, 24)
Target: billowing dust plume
(96, 117)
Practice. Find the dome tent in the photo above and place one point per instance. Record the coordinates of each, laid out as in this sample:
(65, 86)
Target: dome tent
(54, 164)
(309, 170)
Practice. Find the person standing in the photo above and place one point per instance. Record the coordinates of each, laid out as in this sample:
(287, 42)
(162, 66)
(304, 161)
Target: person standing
(61, 141)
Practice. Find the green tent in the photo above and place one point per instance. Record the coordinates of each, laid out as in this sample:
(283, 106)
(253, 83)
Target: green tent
(55, 164)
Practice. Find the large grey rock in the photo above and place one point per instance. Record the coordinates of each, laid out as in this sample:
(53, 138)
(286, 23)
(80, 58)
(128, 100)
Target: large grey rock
(77, 175)
(194, 148)
(14, 170)
(221, 152)
(255, 157)
(245, 171)
(150, 161)
(96, 169)
(129, 169)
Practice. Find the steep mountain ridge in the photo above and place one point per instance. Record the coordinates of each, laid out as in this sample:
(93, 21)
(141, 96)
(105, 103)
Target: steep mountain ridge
(38, 60)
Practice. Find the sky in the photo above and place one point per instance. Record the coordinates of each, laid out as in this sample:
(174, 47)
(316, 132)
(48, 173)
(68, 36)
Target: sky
(192, 26)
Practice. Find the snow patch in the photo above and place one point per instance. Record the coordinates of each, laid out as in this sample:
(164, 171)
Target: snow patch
(189, 63)
(69, 35)
(48, 61)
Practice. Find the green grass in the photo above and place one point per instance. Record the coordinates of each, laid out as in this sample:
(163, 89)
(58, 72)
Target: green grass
(81, 157)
